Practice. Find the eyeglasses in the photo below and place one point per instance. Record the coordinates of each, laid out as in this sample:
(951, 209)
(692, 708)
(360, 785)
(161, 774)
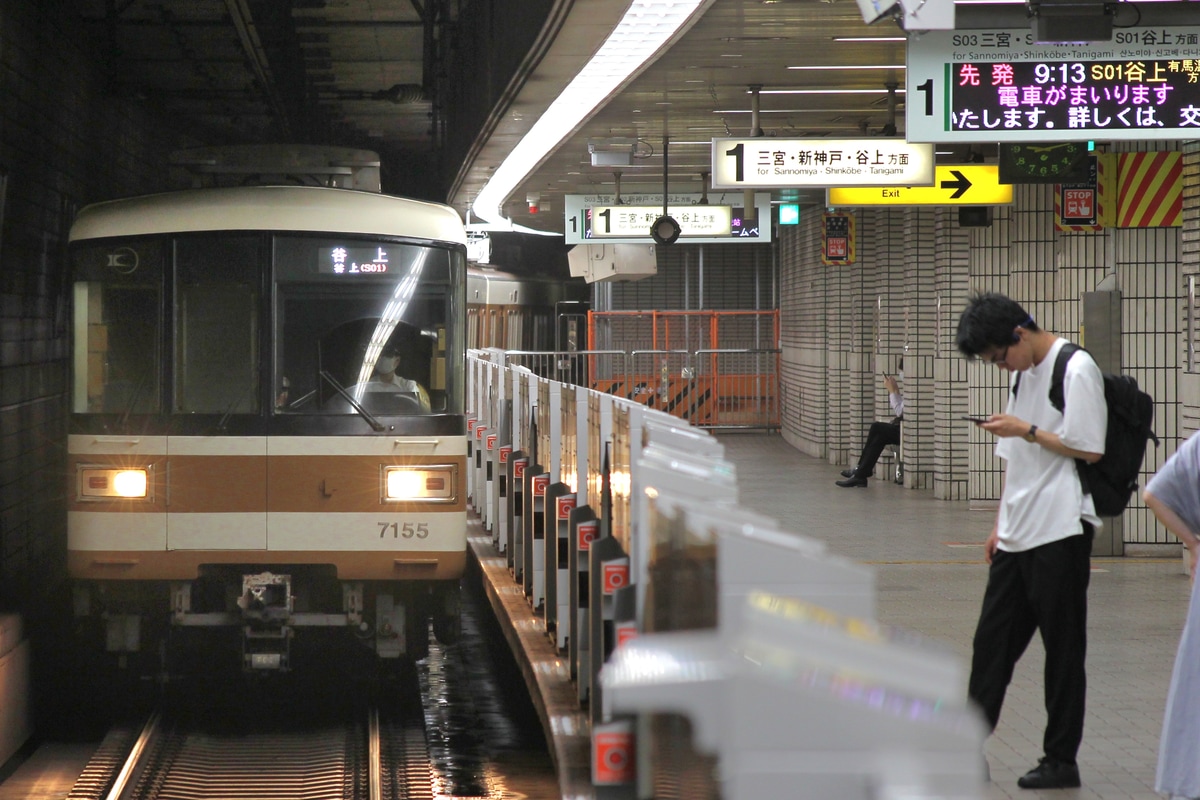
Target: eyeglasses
(1001, 360)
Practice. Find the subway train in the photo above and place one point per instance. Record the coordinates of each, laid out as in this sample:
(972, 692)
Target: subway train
(266, 445)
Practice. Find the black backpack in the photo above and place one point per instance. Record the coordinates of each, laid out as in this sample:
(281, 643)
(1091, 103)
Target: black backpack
(1112, 480)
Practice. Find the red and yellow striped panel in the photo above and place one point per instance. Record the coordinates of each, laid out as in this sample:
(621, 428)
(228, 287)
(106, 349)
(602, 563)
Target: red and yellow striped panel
(1149, 190)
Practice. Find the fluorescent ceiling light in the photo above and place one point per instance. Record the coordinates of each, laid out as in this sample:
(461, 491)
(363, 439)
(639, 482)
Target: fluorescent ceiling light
(870, 38)
(856, 66)
(647, 26)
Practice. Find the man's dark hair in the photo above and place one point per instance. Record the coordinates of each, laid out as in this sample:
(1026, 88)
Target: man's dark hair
(988, 322)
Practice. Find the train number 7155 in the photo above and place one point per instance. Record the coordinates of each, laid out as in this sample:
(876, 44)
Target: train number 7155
(406, 530)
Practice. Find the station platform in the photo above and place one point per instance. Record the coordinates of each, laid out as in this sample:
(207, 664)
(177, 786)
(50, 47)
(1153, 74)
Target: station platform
(930, 572)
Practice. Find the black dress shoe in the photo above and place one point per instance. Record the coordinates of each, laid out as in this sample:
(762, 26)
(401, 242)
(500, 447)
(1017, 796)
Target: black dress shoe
(854, 481)
(849, 473)
(1050, 773)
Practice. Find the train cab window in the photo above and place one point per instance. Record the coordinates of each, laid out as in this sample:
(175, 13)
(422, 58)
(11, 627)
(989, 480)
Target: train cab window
(362, 324)
(216, 325)
(118, 327)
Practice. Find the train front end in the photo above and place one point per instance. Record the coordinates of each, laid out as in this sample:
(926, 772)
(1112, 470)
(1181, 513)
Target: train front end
(267, 450)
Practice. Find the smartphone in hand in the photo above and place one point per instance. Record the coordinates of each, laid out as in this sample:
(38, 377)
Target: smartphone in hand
(976, 418)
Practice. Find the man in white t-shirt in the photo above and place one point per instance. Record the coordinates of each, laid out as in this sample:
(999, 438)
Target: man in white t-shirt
(1040, 547)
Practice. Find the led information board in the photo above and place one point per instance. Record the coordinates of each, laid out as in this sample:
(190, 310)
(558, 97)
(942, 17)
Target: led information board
(999, 85)
(607, 222)
(768, 163)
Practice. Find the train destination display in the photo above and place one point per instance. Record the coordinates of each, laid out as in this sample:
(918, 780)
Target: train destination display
(353, 260)
(999, 85)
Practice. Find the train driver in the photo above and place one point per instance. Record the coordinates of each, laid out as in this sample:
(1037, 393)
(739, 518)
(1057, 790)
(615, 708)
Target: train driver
(385, 378)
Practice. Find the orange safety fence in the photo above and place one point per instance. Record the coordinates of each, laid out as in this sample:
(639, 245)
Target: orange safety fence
(682, 330)
(711, 388)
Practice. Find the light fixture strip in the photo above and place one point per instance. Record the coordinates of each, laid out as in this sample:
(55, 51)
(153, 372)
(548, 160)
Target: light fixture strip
(648, 25)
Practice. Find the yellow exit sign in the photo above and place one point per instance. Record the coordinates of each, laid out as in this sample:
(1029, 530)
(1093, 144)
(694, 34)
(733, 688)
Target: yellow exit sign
(953, 185)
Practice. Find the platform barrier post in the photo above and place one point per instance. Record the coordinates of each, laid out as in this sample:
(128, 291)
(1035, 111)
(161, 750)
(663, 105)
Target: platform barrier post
(471, 423)
(585, 529)
(555, 492)
(480, 493)
(517, 465)
(500, 537)
(565, 504)
(535, 541)
(491, 449)
(608, 563)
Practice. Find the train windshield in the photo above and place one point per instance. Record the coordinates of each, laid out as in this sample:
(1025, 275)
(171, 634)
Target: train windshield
(186, 325)
(362, 327)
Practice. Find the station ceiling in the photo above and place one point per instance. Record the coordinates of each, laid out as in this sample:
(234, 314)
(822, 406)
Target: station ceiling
(354, 70)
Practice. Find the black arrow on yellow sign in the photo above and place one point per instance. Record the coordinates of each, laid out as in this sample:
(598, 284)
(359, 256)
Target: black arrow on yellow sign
(960, 186)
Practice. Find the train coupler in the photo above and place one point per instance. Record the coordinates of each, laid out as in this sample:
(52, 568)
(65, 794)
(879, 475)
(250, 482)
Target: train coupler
(266, 609)
(266, 598)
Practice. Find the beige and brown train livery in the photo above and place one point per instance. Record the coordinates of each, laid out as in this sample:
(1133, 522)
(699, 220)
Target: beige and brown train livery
(267, 434)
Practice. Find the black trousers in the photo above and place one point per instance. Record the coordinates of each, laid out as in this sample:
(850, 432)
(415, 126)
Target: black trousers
(879, 436)
(1041, 589)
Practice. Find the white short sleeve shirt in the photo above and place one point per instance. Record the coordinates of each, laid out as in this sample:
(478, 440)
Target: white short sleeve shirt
(1043, 500)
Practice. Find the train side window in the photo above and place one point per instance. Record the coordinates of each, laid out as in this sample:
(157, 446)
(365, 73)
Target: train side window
(217, 325)
(117, 355)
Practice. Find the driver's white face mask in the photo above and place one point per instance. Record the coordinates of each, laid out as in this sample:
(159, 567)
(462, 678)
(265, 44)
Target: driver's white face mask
(387, 364)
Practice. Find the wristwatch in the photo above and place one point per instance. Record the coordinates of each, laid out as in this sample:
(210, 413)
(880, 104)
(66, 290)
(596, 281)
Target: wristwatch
(1032, 435)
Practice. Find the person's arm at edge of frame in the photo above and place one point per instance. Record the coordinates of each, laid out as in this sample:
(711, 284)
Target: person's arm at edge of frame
(1175, 524)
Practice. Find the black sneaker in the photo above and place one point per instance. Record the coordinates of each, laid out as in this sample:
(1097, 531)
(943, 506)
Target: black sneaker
(1050, 773)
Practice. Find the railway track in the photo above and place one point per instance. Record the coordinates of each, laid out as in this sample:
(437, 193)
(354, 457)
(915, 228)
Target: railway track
(455, 726)
(366, 755)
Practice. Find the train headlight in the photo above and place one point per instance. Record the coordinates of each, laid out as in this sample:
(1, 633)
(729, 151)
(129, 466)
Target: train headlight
(423, 484)
(96, 483)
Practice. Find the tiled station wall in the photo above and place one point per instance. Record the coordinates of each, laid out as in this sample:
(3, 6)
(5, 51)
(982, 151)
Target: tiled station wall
(65, 140)
(844, 326)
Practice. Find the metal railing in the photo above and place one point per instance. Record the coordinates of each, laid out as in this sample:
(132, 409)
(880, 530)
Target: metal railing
(710, 388)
